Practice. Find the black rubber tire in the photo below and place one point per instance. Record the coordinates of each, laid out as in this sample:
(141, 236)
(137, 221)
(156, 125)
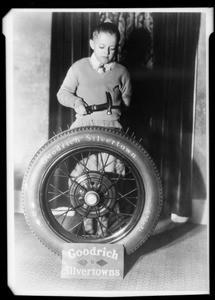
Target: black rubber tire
(104, 139)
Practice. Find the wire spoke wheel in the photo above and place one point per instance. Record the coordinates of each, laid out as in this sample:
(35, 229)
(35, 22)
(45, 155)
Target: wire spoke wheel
(92, 185)
(92, 195)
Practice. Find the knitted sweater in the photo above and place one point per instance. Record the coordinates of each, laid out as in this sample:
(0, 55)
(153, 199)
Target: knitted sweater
(82, 81)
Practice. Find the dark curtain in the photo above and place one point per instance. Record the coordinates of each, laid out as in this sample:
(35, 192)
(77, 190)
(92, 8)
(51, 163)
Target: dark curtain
(69, 42)
(162, 104)
(175, 44)
(70, 37)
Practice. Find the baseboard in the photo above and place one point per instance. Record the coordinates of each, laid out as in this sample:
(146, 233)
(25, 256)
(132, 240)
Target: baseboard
(200, 213)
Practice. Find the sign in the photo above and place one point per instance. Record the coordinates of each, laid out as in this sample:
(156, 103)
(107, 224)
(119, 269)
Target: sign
(88, 260)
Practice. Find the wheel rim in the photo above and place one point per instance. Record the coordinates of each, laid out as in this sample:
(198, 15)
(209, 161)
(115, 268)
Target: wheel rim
(92, 195)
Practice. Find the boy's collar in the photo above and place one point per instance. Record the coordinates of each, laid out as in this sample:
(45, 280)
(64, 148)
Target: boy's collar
(96, 64)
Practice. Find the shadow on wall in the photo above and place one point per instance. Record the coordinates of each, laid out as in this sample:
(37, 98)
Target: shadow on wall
(145, 119)
(137, 48)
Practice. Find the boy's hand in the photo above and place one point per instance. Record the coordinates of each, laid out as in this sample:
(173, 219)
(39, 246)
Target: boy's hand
(80, 107)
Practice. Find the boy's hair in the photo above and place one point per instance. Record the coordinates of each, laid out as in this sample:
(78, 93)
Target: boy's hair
(107, 27)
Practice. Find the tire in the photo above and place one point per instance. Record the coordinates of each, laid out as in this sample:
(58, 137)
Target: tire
(92, 174)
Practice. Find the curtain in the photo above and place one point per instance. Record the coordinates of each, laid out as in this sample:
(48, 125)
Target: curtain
(171, 117)
(70, 37)
(159, 51)
(69, 42)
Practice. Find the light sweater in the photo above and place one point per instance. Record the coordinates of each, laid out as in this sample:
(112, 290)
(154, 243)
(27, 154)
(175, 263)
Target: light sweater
(83, 81)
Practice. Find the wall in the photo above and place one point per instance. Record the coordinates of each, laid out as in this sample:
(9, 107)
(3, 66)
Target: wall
(200, 180)
(31, 54)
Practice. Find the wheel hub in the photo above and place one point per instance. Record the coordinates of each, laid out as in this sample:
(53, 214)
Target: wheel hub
(92, 194)
(91, 198)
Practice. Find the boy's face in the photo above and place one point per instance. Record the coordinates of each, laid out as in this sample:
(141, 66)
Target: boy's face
(104, 46)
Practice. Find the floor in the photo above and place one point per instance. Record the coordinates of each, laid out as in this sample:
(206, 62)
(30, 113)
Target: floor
(173, 261)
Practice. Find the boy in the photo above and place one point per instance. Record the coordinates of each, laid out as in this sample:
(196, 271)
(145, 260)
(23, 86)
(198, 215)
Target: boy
(87, 82)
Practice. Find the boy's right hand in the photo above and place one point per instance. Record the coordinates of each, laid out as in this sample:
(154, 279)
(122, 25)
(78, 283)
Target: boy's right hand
(80, 107)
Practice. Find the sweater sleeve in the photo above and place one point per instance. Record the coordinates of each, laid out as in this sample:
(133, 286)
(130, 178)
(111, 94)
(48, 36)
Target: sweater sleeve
(126, 89)
(66, 94)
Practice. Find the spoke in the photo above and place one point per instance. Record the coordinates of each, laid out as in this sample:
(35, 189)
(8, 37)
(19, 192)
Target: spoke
(124, 197)
(87, 213)
(79, 228)
(57, 175)
(112, 210)
(67, 170)
(129, 201)
(87, 172)
(59, 195)
(88, 157)
(112, 198)
(67, 175)
(102, 224)
(128, 194)
(78, 184)
(130, 197)
(71, 178)
(104, 164)
(52, 193)
(65, 215)
(80, 163)
(57, 188)
(70, 208)
(127, 173)
(102, 169)
(84, 229)
(97, 212)
(102, 173)
(112, 184)
(117, 216)
(123, 222)
(75, 225)
(65, 212)
(99, 222)
(82, 221)
(75, 209)
(124, 179)
(115, 182)
(108, 164)
(120, 163)
(124, 214)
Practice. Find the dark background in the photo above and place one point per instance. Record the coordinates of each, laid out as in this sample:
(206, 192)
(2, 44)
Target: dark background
(161, 112)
